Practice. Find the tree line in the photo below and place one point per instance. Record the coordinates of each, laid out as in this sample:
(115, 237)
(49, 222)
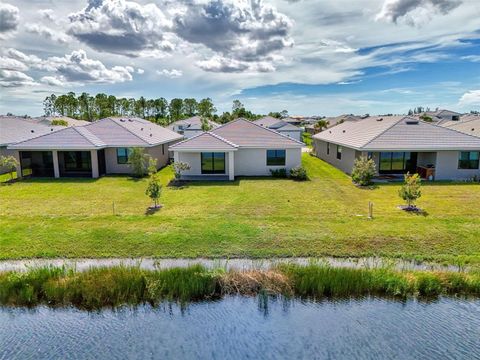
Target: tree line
(160, 110)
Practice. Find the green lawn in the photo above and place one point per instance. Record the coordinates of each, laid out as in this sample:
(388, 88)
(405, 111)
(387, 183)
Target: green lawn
(249, 217)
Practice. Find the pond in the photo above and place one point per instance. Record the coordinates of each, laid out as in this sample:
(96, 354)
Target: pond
(248, 328)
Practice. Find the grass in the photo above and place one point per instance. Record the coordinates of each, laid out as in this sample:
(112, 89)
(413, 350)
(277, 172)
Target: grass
(257, 217)
(117, 286)
(307, 139)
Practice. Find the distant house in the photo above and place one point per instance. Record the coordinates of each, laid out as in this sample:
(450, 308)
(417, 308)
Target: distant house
(332, 121)
(47, 120)
(399, 144)
(191, 126)
(281, 126)
(441, 115)
(238, 148)
(93, 150)
(468, 124)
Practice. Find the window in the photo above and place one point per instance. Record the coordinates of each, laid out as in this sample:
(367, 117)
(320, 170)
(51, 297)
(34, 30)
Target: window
(122, 155)
(396, 162)
(339, 152)
(163, 149)
(328, 148)
(275, 157)
(213, 163)
(468, 160)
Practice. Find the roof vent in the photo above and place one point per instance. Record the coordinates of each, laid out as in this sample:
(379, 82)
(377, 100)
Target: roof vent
(411, 122)
(343, 131)
(130, 120)
(32, 131)
(141, 129)
(122, 120)
(151, 135)
(380, 119)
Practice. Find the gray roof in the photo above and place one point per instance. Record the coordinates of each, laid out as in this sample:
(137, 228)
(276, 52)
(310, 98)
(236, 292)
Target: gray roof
(239, 133)
(334, 120)
(276, 124)
(46, 120)
(392, 133)
(108, 132)
(468, 124)
(14, 129)
(205, 141)
(193, 123)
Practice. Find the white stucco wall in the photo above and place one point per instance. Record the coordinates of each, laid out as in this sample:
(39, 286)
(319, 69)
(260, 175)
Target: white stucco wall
(345, 163)
(247, 162)
(447, 167)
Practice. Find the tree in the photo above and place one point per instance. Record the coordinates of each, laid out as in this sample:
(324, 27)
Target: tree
(275, 114)
(206, 108)
(363, 171)
(225, 118)
(154, 189)
(10, 163)
(205, 125)
(426, 118)
(190, 107)
(175, 109)
(284, 113)
(49, 105)
(410, 190)
(320, 125)
(161, 106)
(139, 161)
(179, 167)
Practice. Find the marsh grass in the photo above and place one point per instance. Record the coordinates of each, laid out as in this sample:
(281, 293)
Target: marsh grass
(116, 286)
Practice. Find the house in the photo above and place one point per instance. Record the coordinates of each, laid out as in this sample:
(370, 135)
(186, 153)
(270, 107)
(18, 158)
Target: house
(191, 126)
(47, 120)
(400, 144)
(93, 150)
(281, 126)
(332, 121)
(238, 148)
(468, 124)
(441, 115)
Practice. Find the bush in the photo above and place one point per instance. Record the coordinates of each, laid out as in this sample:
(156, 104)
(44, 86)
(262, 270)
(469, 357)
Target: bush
(59, 122)
(363, 171)
(298, 173)
(279, 173)
(410, 190)
(139, 162)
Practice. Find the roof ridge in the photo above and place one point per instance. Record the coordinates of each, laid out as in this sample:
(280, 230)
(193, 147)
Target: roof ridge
(222, 139)
(385, 130)
(123, 127)
(450, 129)
(206, 133)
(83, 128)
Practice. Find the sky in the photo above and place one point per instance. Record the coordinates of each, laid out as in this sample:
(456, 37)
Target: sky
(309, 57)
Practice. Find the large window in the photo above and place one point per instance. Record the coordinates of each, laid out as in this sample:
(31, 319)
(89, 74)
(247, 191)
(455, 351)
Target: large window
(275, 157)
(468, 160)
(213, 163)
(396, 162)
(339, 152)
(122, 155)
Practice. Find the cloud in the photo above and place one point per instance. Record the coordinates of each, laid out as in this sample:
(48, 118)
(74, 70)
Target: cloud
(221, 64)
(140, 71)
(53, 81)
(121, 27)
(471, 97)
(13, 78)
(8, 17)
(47, 33)
(47, 14)
(173, 73)
(414, 12)
(472, 58)
(239, 31)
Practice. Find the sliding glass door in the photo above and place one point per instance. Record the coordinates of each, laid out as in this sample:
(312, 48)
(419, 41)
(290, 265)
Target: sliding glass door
(213, 163)
(397, 162)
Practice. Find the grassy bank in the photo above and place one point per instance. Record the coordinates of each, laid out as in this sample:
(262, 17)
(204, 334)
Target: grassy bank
(326, 216)
(111, 287)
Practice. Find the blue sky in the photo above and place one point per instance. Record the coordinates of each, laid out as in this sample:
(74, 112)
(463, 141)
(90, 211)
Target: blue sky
(309, 57)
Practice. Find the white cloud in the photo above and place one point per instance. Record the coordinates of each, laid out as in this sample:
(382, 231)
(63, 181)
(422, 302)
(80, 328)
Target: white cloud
(121, 27)
(53, 81)
(47, 33)
(140, 71)
(173, 73)
(472, 58)
(9, 17)
(221, 64)
(13, 78)
(471, 97)
(414, 12)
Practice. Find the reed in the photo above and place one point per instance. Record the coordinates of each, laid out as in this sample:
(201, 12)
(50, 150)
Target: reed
(116, 286)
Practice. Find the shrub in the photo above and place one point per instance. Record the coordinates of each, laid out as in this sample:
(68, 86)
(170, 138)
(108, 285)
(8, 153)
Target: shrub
(279, 173)
(154, 189)
(363, 171)
(298, 173)
(58, 122)
(410, 190)
(179, 167)
(139, 162)
(10, 163)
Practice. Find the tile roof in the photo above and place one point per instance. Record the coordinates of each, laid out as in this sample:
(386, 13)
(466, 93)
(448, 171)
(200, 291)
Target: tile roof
(14, 129)
(205, 141)
(245, 133)
(114, 132)
(468, 124)
(397, 133)
(276, 124)
(193, 123)
(48, 119)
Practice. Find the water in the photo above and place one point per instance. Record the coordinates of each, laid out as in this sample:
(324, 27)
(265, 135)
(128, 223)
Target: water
(248, 328)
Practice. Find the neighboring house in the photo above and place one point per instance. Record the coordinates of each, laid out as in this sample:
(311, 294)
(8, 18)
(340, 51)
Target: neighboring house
(14, 129)
(238, 148)
(281, 126)
(47, 120)
(191, 126)
(438, 116)
(400, 144)
(468, 124)
(93, 150)
(332, 121)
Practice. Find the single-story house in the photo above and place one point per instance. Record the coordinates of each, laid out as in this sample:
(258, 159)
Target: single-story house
(191, 126)
(93, 150)
(468, 124)
(47, 120)
(238, 148)
(332, 121)
(400, 144)
(441, 115)
(281, 126)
